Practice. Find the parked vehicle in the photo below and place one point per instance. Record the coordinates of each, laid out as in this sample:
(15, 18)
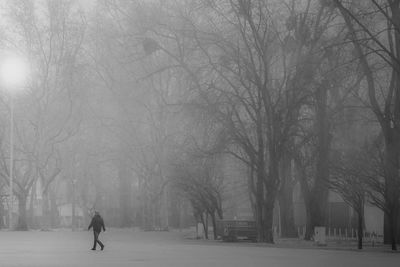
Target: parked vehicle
(234, 230)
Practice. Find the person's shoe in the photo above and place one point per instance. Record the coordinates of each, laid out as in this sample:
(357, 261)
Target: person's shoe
(93, 249)
(102, 247)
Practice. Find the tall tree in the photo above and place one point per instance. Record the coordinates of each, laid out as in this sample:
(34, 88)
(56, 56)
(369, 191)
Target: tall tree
(328, 86)
(376, 42)
(228, 52)
(348, 179)
(52, 42)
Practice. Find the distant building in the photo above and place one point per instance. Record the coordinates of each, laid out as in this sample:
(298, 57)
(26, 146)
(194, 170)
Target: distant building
(340, 215)
(65, 213)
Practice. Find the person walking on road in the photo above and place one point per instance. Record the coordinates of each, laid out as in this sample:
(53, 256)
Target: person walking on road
(97, 223)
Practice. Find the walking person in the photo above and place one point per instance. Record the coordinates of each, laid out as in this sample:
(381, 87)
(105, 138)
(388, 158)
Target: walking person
(97, 223)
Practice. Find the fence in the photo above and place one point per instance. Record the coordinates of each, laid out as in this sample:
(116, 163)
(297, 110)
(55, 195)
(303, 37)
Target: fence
(346, 234)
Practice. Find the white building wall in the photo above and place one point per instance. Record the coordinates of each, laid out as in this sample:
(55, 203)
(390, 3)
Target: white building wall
(373, 219)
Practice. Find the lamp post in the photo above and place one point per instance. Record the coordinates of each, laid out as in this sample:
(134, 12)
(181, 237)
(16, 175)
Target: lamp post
(11, 172)
(14, 70)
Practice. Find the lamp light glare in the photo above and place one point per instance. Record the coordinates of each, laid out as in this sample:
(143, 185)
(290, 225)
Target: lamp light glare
(14, 72)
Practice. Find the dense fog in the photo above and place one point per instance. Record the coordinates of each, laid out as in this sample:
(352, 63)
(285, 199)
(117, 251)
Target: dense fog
(170, 114)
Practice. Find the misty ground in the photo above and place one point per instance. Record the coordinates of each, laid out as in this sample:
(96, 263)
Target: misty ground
(171, 249)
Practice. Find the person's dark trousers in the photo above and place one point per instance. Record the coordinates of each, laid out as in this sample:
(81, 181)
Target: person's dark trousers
(96, 240)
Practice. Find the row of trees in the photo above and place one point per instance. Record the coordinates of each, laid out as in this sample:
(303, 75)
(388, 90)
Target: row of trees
(46, 114)
(149, 97)
(290, 81)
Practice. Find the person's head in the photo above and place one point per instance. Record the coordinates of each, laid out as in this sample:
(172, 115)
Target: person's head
(96, 213)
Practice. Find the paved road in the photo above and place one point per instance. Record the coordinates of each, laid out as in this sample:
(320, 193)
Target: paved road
(150, 249)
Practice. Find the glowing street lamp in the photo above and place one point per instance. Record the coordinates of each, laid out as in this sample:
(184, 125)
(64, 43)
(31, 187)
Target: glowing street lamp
(14, 72)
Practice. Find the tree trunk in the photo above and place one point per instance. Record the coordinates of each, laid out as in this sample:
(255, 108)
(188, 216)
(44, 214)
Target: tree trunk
(268, 221)
(251, 189)
(22, 224)
(214, 224)
(73, 206)
(31, 216)
(398, 228)
(309, 234)
(271, 187)
(392, 183)
(54, 213)
(259, 208)
(124, 195)
(317, 210)
(164, 212)
(286, 210)
(318, 198)
(360, 228)
(393, 229)
(316, 195)
(2, 213)
(45, 222)
(204, 222)
(305, 191)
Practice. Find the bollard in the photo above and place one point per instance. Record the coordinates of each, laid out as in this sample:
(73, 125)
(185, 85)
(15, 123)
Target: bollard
(373, 238)
(320, 236)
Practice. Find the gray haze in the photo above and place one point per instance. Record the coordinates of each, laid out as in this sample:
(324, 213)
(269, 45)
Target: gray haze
(165, 115)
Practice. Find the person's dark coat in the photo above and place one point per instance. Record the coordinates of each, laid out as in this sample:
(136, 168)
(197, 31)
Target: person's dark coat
(97, 223)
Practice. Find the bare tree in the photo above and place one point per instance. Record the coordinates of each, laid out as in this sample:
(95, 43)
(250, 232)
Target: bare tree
(52, 44)
(376, 42)
(197, 178)
(349, 179)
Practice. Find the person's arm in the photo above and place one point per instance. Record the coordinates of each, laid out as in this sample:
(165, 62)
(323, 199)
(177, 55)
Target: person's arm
(90, 225)
(102, 224)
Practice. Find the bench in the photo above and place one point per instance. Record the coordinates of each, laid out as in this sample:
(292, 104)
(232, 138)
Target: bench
(234, 230)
